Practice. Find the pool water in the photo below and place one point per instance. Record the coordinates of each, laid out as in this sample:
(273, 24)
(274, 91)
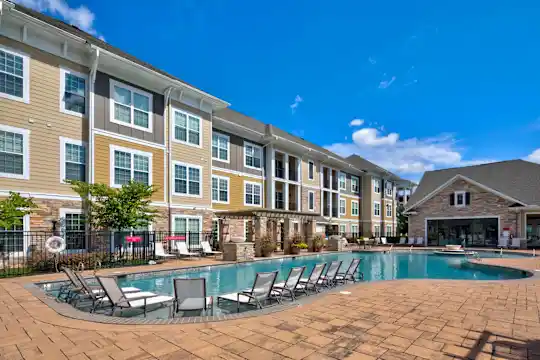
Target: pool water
(376, 266)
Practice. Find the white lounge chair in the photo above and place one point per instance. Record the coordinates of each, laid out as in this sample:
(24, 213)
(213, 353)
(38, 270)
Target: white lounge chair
(383, 241)
(410, 240)
(183, 250)
(516, 243)
(260, 294)
(207, 249)
(420, 241)
(160, 251)
(120, 300)
(402, 241)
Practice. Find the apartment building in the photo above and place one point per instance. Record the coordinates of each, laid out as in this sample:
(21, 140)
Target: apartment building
(74, 107)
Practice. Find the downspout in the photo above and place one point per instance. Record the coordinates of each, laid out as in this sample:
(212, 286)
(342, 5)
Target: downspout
(167, 120)
(91, 110)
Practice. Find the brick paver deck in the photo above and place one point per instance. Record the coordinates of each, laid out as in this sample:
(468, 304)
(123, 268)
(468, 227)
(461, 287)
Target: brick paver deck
(405, 319)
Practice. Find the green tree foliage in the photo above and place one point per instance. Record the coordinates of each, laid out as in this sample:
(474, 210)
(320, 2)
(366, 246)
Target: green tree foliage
(402, 220)
(122, 208)
(13, 208)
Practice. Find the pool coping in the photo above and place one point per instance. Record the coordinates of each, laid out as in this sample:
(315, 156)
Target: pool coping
(69, 311)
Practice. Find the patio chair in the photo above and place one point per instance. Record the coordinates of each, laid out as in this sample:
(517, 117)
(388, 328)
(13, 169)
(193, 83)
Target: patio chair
(420, 241)
(402, 241)
(313, 279)
(290, 286)
(160, 251)
(120, 300)
(410, 241)
(183, 250)
(383, 241)
(516, 243)
(349, 275)
(329, 279)
(259, 294)
(207, 249)
(190, 295)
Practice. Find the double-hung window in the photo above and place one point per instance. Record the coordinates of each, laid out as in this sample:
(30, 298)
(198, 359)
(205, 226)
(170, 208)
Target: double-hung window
(73, 157)
(12, 240)
(388, 230)
(130, 165)
(220, 189)
(460, 198)
(73, 228)
(342, 229)
(253, 193)
(342, 181)
(187, 179)
(14, 75)
(376, 186)
(187, 128)
(130, 106)
(388, 210)
(388, 188)
(377, 230)
(73, 88)
(252, 155)
(311, 170)
(376, 208)
(311, 200)
(14, 155)
(354, 184)
(354, 208)
(354, 229)
(342, 207)
(220, 147)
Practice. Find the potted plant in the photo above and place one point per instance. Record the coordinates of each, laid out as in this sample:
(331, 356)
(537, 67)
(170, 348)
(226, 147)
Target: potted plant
(268, 245)
(295, 248)
(318, 243)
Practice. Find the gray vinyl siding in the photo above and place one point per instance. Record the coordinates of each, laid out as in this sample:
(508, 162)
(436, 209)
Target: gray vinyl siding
(348, 185)
(236, 155)
(102, 113)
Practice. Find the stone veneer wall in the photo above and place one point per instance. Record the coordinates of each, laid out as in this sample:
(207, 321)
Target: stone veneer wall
(305, 203)
(162, 222)
(238, 251)
(49, 210)
(483, 203)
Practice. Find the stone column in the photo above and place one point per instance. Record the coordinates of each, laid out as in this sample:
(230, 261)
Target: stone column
(311, 230)
(260, 231)
(288, 229)
(224, 235)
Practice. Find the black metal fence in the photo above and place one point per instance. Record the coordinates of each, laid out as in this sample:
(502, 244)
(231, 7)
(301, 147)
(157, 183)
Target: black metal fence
(25, 252)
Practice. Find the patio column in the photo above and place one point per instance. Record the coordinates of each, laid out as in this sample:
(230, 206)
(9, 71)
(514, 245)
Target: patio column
(260, 231)
(288, 229)
(519, 225)
(311, 229)
(224, 235)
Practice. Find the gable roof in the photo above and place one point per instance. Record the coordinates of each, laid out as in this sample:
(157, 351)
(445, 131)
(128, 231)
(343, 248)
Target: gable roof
(516, 179)
(364, 164)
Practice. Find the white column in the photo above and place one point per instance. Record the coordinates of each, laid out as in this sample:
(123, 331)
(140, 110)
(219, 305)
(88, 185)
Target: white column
(330, 200)
(286, 161)
(286, 195)
(271, 185)
(339, 205)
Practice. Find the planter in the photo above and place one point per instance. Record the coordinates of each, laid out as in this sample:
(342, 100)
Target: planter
(295, 250)
(267, 252)
(317, 249)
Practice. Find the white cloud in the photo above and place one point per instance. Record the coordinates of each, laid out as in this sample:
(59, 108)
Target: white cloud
(81, 16)
(534, 156)
(297, 100)
(406, 156)
(356, 122)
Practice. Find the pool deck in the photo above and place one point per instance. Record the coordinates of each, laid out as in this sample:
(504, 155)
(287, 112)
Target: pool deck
(401, 319)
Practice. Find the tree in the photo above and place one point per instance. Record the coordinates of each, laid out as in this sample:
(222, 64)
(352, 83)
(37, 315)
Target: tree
(13, 209)
(117, 209)
(402, 220)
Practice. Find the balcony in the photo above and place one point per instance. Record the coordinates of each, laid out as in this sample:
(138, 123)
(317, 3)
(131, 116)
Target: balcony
(293, 175)
(326, 210)
(292, 206)
(280, 204)
(335, 212)
(280, 173)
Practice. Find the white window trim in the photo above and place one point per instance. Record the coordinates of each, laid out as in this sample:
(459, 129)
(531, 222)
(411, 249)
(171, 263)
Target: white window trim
(386, 207)
(357, 208)
(388, 189)
(375, 227)
(456, 193)
(244, 192)
(114, 148)
(187, 217)
(63, 142)
(112, 83)
(354, 229)
(226, 178)
(340, 174)
(187, 165)
(26, 76)
(357, 180)
(376, 185)
(388, 227)
(62, 215)
(344, 207)
(312, 177)
(309, 194)
(63, 72)
(188, 114)
(26, 237)
(344, 227)
(374, 207)
(262, 157)
(26, 152)
(218, 134)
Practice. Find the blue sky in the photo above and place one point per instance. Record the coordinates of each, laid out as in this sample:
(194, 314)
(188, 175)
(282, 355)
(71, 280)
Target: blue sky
(431, 84)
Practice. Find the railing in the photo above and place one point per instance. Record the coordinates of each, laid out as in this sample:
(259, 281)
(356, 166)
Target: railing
(280, 204)
(292, 206)
(25, 253)
(280, 173)
(293, 175)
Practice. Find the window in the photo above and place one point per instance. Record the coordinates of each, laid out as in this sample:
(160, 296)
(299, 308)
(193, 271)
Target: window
(73, 155)
(388, 230)
(187, 179)
(377, 230)
(72, 92)
(252, 193)
(14, 75)
(388, 210)
(191, 226)
(73, 229)
(14, 158)
(354, 229)
(376, 186)
(354, 208)
(12, 239)
(220, 189)
(376, 208)
(342, 181)
(460, 198)
(131, 106)
(252, 155)
(311, 170)
(130, 165)
(388, 188)
(220, 147)
(311, 200)
(342, 229)
(187, 128)
(354, 184)
(342, 209)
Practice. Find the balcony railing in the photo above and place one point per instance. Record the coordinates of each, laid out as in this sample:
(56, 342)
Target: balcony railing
(280, 173)
(335, 212)
(293, 175)
(326, 211)
(292, 206)
(280, 204)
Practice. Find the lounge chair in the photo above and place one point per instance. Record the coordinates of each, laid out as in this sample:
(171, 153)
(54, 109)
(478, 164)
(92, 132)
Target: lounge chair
(183, 250)
(190, 295)
(160, 251)
(120, 300)
(207, 249)
(259, 294)
(383, 241)
(291, 285)
(349, 275)
(402, 241)
(329, 279)
(419, 241)
(410, 241)
(516, 243)
(313, 279)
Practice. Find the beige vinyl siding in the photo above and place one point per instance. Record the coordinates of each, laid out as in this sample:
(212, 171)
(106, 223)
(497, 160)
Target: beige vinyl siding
(348, 207)
(194, 155)
(305, 173)
(43, 118)
(236, 191)
(102, 153)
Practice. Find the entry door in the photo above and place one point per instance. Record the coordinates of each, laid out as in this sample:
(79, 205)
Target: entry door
(191, 228)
